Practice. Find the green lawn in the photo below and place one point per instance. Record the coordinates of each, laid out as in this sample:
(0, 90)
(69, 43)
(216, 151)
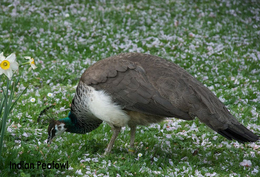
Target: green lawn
(217, 41)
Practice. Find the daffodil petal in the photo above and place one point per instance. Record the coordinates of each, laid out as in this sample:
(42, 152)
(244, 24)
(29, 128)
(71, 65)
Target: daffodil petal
(27, 57)
(33, 66)
(9, 73)
(2, 57)
(11, 58)
(1, 71)
(14, 66)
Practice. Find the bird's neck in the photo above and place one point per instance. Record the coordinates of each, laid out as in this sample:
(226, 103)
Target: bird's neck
(67, 121)
(73, 126)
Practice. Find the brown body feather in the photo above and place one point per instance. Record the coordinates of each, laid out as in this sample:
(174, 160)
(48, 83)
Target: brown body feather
(150, 88)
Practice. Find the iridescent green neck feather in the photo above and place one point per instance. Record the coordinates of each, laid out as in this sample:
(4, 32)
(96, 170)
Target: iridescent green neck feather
(73, 126)
(67, 121)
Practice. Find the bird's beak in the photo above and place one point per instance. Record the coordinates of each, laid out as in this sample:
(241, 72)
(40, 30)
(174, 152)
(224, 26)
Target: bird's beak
(49, 140)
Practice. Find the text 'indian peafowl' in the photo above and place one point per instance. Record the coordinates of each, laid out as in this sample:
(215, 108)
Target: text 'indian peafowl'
(138, 89)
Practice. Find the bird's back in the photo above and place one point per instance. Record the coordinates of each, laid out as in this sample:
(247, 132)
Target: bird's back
(174, 87)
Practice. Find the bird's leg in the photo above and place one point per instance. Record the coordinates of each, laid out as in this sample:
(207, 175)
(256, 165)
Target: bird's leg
(116, 131)
(132, 139)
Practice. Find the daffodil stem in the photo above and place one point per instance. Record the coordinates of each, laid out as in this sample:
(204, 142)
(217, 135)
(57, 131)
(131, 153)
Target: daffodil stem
(26, 63)
(5, 114)
(7, 105)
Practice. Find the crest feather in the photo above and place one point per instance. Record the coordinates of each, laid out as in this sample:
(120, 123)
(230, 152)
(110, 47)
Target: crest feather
(45, 112)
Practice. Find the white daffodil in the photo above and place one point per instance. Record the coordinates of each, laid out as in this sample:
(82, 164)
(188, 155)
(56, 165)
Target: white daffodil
(8, 65)
(31, 62)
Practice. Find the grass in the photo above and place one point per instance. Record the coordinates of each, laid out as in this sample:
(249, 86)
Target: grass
(216, 41)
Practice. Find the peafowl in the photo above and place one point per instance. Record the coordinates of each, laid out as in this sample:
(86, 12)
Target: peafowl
(139, 89)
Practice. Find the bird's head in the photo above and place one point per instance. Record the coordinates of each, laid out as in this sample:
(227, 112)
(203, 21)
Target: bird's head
(56, 128)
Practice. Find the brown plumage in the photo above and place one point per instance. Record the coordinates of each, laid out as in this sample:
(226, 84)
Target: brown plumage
(148, 89)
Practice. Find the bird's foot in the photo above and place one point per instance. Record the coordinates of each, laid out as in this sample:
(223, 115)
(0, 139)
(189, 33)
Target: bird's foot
(107, 152)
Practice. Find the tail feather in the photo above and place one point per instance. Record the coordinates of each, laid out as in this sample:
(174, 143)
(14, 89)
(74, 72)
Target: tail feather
(241, 136)
(226, 125)
(211, 111)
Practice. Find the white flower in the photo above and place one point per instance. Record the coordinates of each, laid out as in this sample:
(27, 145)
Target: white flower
(246, 163)
(155, 159)
(50, 94)
(78, 172)
(32, 100)
(25, 134)
(140, 154)
(9, 129)
(8, 65)
(31, 62)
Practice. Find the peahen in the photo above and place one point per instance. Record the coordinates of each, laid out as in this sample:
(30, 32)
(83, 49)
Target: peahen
(139, 89)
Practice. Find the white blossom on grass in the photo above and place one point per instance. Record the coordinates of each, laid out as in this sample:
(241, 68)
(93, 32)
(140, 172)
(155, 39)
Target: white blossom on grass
(25, 134)
(50, 94)
(32, 100)
(246, 163)
(140, 154)
(78, 172)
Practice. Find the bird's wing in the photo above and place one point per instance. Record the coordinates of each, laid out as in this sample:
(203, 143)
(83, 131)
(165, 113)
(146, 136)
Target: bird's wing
(127, 83)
